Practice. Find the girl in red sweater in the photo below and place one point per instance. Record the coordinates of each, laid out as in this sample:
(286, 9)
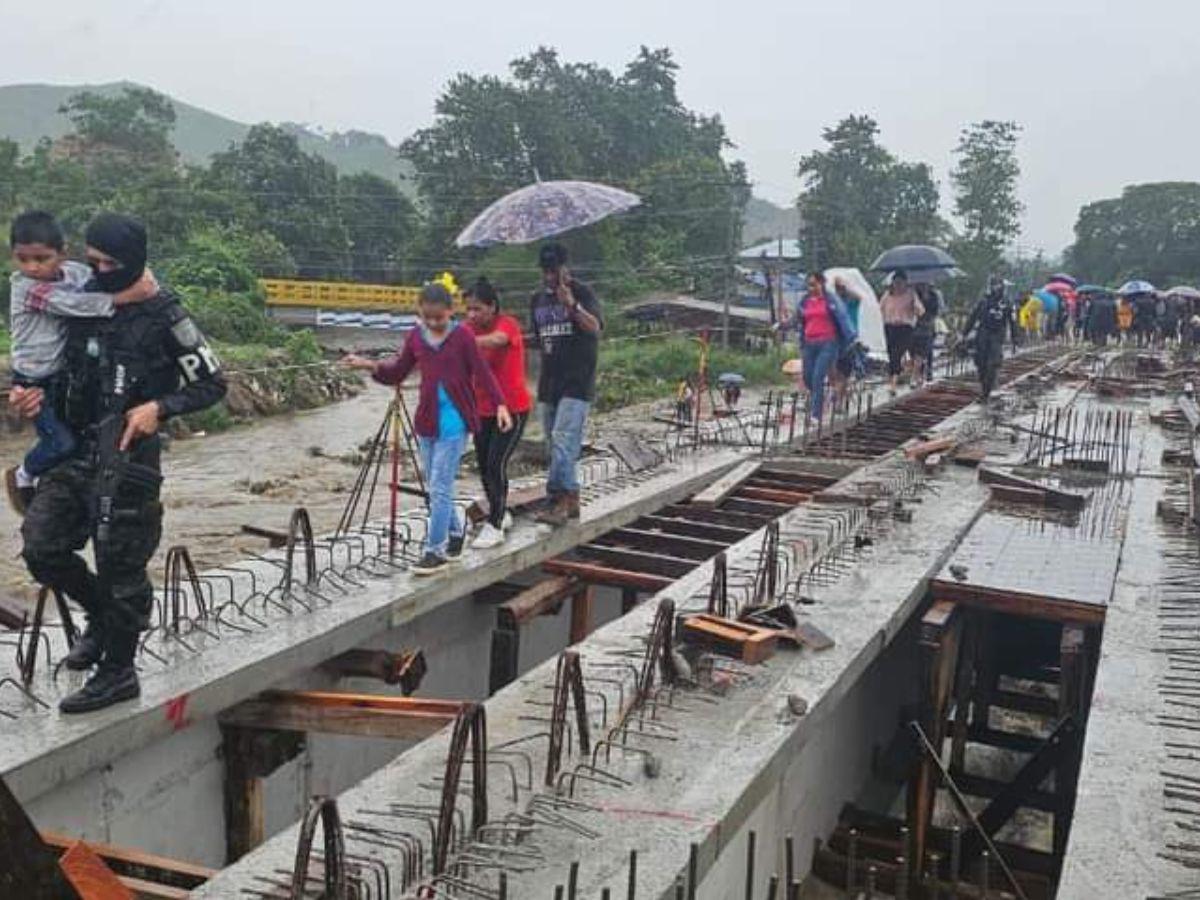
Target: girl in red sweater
(451, 367)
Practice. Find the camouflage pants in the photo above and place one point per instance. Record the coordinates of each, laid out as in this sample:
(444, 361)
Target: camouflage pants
(61, 520)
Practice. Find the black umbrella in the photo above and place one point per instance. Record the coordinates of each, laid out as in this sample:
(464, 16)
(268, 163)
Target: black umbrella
(913, 257)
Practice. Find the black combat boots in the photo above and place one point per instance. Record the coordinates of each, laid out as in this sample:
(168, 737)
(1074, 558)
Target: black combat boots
(113, 681)
(87, 650)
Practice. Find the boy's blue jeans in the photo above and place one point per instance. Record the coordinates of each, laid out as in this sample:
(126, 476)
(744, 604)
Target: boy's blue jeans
(55, 440)
(439, 460)
(563, 423)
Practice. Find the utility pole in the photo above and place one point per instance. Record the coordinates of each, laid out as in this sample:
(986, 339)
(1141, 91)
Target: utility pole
(730, 283)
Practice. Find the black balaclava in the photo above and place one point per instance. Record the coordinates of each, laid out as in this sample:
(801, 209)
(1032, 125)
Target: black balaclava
(124, 239)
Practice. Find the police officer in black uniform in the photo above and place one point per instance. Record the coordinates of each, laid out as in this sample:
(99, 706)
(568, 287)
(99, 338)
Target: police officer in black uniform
(991, 316)
(127, 375)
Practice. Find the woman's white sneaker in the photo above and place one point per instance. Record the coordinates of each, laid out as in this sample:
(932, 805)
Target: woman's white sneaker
(507, 524)
(489, 536)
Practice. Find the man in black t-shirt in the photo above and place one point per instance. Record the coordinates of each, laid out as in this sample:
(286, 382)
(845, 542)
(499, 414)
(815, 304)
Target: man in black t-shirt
(566, 322)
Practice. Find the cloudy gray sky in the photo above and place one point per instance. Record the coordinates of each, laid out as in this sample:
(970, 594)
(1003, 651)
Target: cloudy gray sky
(1104, 88)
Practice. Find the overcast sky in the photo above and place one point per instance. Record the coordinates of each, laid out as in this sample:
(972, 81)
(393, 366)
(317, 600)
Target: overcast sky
(1104, 88)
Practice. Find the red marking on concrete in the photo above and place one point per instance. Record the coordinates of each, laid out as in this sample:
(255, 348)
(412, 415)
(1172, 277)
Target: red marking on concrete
(177, 711)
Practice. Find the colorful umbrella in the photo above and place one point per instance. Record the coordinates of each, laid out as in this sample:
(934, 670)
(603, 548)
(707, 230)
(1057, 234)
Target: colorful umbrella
(913, 257)
(1049, 300)
(1064, 278)
(544, 209)
(1133, 288)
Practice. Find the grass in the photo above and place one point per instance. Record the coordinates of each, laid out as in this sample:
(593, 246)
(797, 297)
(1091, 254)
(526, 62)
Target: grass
(631, 371)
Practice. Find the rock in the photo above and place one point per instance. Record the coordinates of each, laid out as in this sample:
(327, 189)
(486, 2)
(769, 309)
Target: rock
(797, 704)
(651, 765)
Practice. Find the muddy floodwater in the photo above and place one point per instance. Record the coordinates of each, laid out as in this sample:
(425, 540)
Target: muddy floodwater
(258, 473)
(252, 474)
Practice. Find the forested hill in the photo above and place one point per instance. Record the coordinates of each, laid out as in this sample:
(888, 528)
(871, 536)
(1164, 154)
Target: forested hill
(29, 112)
(764, 221)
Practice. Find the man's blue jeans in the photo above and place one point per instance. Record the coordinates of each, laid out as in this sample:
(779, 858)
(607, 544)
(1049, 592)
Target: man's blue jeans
(439, 460)
(564, 423)
(819, 358)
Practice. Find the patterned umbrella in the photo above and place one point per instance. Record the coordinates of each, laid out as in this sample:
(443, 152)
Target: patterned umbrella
(1133, 288)
(1064, 278)
(544, 209)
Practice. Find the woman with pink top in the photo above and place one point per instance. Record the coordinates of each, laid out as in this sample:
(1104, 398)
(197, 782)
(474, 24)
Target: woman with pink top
(900, 307)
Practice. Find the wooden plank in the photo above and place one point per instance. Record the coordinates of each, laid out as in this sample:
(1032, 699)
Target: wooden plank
(540, 599)
(724, 486)
(766, 508)
(666, 544)
(668, 525)
(505, 658)
(1035, 770)
(982, 786)
(637, 561)
(938, 647)
(243, 797)
(1020, 495)
(808, 480)
(724, 517)
(970, 457)
(749, 643)
(328, 712)
(771, 495)
(927, 448)
(148, 890)
(90, 876)
(1056, 498)
(581, 613)
(128, 860)
(596, 573)
(1016, 604)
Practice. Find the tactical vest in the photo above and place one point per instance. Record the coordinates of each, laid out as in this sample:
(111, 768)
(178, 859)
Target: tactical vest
(134, 345)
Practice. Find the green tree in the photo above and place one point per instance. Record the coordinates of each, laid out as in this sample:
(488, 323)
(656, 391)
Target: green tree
(985, 179)
(858, 198)
(554, 119)
(289, 193)
(382, 226)
(1151, 231)
(137, 123)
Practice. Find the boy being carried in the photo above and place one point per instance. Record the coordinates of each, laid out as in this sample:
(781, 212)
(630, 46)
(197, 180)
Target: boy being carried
(46, 288)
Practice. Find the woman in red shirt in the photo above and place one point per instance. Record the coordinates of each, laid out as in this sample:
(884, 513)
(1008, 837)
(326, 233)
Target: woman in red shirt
(825, 330)
(502, 346)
